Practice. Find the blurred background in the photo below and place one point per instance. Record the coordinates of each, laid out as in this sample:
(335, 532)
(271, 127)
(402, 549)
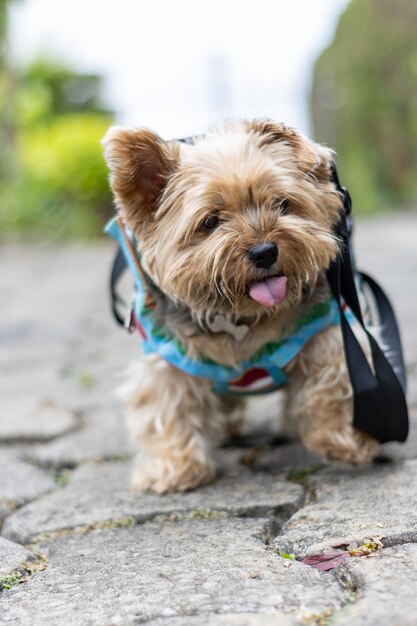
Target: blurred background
(344, 72)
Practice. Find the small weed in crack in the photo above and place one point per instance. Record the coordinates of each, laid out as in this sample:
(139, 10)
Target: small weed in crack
(300, 474)
(7, 582)
(24, 572)
(62, 478)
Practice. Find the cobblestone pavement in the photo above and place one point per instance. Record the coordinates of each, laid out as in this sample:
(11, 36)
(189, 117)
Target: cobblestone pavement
(77, 547)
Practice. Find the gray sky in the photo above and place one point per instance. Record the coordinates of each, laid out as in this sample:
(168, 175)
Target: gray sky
(180, 65)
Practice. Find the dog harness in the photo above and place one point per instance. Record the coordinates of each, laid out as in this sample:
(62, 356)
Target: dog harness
(262, 373)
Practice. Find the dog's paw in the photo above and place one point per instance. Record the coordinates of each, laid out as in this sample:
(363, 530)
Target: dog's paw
(165, 475)
(350, 446)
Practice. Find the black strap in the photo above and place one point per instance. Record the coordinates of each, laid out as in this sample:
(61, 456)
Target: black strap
(118, 267)
(380, 408)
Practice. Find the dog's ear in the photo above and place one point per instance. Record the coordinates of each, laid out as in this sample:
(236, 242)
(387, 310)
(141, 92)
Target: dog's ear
(312, 158)
(140, 164)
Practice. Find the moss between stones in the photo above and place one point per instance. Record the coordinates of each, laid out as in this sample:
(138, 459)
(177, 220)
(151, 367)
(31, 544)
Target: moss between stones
(86, 379)
(119, 522)
(120, 458)
(126, 522)
(299, 474)
(189, 515)
(62, 478)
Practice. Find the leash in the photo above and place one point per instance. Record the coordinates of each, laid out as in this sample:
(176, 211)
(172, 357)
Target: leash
(380, 407)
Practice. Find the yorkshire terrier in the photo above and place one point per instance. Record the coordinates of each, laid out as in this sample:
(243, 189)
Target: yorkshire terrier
(235, 232)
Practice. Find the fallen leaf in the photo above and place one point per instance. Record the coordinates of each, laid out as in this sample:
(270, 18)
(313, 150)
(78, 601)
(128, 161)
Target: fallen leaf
(361, 551)
(34, 566)
(328, 560)
(367, 548)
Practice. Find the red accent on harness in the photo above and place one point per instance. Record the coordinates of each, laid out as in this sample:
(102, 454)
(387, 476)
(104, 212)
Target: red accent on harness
(140, 328)
(250, 377)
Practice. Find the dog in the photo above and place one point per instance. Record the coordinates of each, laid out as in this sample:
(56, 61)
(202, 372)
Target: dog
(235, 231)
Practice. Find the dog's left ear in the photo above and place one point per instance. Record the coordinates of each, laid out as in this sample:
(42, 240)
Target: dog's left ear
(313, 159)
(140, 164)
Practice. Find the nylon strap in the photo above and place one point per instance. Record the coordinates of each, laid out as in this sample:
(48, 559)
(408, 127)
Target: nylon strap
(380, 408)
(118, 267)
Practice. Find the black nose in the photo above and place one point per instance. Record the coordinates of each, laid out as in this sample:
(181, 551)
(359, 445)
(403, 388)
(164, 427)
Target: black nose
(263, 254)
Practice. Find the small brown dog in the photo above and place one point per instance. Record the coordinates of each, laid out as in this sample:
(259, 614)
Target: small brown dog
(235, 232)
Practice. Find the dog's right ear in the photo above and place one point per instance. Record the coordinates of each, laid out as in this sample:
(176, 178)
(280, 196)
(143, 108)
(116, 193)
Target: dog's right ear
(140, 164)
(313, 159)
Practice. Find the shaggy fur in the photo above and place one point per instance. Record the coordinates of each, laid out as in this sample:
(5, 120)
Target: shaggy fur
(256, 182)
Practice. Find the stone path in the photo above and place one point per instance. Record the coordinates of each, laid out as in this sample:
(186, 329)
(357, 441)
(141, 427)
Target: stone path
(77, 547)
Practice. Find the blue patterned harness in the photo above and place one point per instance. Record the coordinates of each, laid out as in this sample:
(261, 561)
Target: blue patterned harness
(262, 373)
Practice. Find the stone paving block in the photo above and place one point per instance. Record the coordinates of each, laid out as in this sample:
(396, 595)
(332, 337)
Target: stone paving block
(6, 508)
(291, 458)
(350, 504)
(20, 481)
(102, 435)
(48, 350)
(11, 556)
(23, 418)
(129, 576)
(385, 589)
(98, 493)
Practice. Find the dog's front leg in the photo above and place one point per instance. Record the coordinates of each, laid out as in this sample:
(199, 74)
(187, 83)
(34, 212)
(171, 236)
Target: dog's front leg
(174, 418)
(320, 400)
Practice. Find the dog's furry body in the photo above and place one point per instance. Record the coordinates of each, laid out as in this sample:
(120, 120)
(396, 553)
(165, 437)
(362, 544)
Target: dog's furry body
(241, 224)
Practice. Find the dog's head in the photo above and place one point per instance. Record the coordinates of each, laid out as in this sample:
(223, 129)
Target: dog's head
(239, 221)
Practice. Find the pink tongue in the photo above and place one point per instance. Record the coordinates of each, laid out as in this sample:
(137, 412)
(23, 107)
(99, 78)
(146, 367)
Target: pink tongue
(270, 291)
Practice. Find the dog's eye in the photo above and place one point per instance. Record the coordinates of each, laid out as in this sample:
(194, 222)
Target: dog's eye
(211, 222)
(282, 205)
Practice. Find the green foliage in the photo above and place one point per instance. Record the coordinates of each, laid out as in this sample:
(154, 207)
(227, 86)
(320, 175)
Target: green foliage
(66, 156)
(61, 188)
(47, 89)
(6, 103)
(364, 102)
(57, 182)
